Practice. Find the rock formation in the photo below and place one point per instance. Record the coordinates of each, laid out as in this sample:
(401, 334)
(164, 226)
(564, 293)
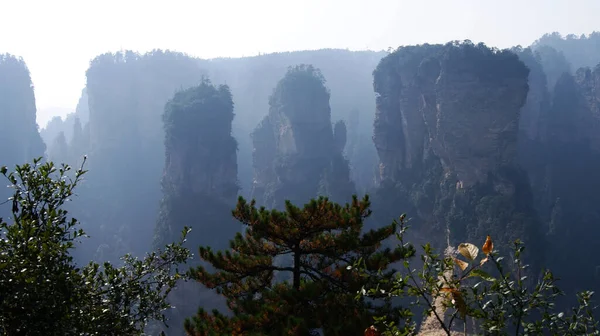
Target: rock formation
(126, 95)
(20, 141)
(533, 116)
(296, 153)
(565, 164)
(349, 78)
(446, 132)
(199, 183)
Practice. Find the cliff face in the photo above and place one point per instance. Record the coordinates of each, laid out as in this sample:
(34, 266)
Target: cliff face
(126, 96)
(533, 118)
(453, 100)
(199, 184)
(349, 78)
(294, 149)
(446, 132)
(20, 141)
(200, 174)
(589, 82)
(566, 163)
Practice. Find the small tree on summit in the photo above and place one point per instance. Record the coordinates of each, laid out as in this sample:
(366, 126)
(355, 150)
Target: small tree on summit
(323, 239)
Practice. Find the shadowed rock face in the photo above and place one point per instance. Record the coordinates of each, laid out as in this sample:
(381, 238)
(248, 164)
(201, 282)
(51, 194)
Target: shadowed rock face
(20, 141)
(564, 165)
(446, 131)
(453, 99)
(588, 81)
(200, 175)
(294, 149)
(533, 119)
(199, 185)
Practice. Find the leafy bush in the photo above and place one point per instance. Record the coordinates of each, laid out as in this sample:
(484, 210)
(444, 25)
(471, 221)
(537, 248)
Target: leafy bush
(477, 292)
(43, 292)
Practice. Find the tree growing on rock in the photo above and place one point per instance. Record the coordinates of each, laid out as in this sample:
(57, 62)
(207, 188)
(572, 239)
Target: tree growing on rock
(323, 239)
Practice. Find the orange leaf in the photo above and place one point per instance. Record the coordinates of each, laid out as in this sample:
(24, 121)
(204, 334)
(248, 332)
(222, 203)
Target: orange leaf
(488, 246)
(463, 265)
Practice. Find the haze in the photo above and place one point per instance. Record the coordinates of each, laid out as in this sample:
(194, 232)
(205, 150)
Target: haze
(57, 39)
(282, 132)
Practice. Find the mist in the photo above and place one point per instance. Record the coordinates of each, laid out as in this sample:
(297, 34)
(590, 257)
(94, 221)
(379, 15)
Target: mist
(474, 118)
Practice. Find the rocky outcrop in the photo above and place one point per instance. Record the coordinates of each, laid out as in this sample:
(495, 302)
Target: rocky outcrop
(126, 94)
(589, 82)
(20, 141)
(295, 151)
(446, 131)
(566, 165)
(200, 176)
(453, 99)
(533, 117)
(199, 184)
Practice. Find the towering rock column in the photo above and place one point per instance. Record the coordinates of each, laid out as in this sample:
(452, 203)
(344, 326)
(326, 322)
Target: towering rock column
(446, 131)
(296, 155)
(20, 141)
(199, 185)
(200, 176)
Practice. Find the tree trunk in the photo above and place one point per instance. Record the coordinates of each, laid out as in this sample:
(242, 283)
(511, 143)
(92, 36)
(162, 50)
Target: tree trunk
(297, 267)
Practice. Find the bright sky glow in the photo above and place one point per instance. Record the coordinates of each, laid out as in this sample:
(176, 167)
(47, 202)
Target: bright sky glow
(58, 38)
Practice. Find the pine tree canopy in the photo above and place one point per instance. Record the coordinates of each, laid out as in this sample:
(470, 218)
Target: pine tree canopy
(291, 271)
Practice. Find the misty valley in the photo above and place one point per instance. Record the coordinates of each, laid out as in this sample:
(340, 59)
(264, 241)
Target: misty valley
(434, 189)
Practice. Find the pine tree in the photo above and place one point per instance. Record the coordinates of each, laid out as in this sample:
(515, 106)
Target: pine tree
(324, 239)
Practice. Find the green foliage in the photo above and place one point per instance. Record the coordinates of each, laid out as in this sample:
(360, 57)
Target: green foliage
(204, 111)
(43, 292)
(322, 240)
(477, 291)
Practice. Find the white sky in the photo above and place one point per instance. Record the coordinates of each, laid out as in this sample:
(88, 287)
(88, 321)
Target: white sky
(58, 38)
